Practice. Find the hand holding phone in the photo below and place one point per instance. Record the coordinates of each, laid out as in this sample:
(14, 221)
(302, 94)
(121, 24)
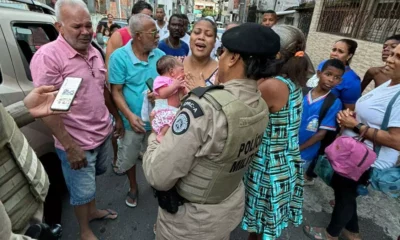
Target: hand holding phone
(150, 83)
(66, 94)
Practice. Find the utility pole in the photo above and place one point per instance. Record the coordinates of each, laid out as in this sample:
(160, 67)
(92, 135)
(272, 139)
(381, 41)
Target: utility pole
(242, 5)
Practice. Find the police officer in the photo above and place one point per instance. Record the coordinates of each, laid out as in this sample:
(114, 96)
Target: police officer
(23, 180)
(215, 135)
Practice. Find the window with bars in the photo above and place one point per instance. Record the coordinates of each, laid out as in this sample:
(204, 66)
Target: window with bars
(371, 20)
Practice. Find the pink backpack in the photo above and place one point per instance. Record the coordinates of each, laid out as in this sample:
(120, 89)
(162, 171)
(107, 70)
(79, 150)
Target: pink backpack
(350, 157)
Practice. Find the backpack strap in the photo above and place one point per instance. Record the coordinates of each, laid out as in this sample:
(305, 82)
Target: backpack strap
(386, 117)
(305, 90)
(326, 105)
(330, 135)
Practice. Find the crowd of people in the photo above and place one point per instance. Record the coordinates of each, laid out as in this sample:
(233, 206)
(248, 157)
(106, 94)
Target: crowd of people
(229, 130)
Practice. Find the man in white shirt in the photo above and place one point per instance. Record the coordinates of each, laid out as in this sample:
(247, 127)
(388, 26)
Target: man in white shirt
(161, 24)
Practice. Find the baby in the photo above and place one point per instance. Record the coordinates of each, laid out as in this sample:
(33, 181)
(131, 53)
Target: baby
(168, 88)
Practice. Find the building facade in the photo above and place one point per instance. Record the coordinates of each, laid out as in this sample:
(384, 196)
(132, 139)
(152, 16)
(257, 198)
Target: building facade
(369, 22)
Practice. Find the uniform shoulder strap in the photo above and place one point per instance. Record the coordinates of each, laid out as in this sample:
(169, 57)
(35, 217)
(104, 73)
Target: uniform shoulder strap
(200, 91)
(326, 105)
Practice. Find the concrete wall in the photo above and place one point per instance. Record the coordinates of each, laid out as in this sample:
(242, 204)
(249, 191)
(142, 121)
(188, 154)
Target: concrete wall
(319, 44)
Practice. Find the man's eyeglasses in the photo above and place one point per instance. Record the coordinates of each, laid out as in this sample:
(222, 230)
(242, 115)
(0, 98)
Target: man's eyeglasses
(154, 33)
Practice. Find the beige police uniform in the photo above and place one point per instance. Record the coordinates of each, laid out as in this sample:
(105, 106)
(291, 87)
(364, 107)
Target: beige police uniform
(23, 181)
(201, 136)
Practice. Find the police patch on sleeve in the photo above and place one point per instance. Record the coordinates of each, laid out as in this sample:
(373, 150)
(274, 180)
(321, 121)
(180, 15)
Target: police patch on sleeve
(194, 107)
(181, 123)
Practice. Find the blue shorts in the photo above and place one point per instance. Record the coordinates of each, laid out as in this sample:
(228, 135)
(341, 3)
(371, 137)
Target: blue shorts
(82, 183)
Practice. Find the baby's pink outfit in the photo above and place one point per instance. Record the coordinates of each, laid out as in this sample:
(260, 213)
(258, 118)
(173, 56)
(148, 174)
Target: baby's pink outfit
(164, 114)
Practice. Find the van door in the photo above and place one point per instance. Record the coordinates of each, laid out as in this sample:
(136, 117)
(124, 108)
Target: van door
(28, 38)
(10, 91)
(24, 39)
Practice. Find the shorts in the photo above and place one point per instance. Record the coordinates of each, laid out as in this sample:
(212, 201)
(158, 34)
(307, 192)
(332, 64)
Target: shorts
(82, 183)
(129, 148)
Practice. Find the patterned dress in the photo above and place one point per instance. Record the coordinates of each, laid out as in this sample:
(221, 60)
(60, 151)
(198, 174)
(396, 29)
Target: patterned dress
(274, 180)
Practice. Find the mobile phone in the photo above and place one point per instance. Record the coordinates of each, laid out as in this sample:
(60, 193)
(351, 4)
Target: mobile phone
(66, 94)
(150, 83)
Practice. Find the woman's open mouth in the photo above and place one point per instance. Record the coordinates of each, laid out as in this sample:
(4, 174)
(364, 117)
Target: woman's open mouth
(200, 46)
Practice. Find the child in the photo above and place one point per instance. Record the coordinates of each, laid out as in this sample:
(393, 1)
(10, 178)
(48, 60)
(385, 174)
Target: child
(168, 88)
(269, 18)
(314, 127)
(375, 73)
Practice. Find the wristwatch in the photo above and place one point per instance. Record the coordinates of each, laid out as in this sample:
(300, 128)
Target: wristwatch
(357, 128)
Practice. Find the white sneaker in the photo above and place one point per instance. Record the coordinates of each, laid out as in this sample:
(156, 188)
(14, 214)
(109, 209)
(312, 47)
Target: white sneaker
(308, 182)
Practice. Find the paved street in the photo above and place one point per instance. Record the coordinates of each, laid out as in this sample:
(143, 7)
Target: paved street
(379, 215)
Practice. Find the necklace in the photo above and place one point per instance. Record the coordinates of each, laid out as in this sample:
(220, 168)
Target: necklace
(90, 66)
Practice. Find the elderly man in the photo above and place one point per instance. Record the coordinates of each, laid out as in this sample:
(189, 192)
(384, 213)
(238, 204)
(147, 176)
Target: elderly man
(83, 136)
(129, 69)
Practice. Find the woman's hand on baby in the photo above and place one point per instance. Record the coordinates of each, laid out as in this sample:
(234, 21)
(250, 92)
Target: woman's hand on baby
(193, 82)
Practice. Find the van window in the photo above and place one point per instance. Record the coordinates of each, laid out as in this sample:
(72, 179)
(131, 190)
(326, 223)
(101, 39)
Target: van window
(30, 37)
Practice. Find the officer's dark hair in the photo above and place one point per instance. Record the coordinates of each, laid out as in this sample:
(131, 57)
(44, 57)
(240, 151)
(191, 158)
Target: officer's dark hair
(140, 6)
(394, 37)
(165, 63)
(108, 15)
(176, 15)
(214, 25)
(351, 48)
(292, 41)
(257, 67)
(336, 63)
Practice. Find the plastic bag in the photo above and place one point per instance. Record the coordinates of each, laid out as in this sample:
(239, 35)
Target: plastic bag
(147, 107)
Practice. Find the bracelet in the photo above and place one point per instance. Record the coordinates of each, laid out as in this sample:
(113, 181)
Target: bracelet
(357, 128)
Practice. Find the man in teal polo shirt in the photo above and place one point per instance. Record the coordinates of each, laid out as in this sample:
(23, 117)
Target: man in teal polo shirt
(129, 69)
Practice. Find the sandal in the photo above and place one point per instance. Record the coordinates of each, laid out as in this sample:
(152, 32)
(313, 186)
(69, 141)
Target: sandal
(347, 235)
(111, 215)
(332, 203)
(116, 170)
(134, 197)
(314, 234)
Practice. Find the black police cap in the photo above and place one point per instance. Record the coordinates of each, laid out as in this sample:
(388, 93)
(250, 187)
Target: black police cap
(252, 39)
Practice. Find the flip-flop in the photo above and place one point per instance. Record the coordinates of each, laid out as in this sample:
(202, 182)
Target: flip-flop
(108, 216)
(133, 196)
(313, 234)
(116, 171)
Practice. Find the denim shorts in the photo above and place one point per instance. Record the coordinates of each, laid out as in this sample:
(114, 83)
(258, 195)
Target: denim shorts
(82, 183)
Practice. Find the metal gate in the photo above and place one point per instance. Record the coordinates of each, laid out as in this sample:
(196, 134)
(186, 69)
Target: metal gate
(305, 20)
